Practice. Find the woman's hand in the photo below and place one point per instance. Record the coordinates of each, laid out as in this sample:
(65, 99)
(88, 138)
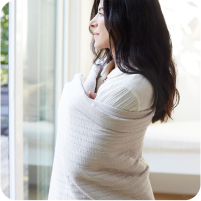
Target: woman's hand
(92, 95)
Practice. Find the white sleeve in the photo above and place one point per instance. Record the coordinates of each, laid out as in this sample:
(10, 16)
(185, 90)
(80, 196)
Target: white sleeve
(119, 97)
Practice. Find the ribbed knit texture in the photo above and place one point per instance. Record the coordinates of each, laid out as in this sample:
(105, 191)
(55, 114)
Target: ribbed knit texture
(98, 153)
(130, 92)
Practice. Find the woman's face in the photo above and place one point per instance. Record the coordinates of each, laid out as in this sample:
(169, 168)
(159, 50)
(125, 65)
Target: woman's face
(101, 34)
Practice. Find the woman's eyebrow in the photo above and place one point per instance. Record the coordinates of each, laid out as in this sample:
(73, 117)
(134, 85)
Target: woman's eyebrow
(100, 8)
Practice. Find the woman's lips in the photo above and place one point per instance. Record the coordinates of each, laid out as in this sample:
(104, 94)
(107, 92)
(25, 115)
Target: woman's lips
(95, 35)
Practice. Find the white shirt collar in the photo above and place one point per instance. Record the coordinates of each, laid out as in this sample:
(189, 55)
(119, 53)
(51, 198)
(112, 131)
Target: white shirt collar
(105, 72)
(116, 72)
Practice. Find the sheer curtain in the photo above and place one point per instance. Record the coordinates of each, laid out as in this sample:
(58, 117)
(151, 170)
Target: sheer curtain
(39, 90)
(32, 80)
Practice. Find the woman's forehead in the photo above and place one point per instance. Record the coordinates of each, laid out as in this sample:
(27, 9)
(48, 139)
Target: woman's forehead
(101, 3)
(100, 6)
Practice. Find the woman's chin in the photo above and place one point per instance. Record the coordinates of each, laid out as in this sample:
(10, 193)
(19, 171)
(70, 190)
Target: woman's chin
(99, 47)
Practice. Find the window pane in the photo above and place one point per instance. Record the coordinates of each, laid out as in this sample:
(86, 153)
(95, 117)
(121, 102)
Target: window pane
(4, 102)
(38, 96)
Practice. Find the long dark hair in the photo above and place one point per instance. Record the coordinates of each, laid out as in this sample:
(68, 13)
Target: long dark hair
(139, 33)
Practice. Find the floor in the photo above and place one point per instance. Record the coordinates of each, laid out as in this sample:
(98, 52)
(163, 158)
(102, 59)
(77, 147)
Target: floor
(164, 196)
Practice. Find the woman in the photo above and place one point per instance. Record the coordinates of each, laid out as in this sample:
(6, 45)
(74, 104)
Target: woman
(132, 83)
(139, 29)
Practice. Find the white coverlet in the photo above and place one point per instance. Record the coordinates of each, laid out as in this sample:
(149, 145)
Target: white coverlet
(98, 153)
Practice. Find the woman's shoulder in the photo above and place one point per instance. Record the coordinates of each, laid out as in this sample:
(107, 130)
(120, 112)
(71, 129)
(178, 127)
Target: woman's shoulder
(140, 87)
(138, 82)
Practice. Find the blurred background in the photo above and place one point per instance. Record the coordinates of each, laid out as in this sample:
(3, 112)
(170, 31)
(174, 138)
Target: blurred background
(44, 43)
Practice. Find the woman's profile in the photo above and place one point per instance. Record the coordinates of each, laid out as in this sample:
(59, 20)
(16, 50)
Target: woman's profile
(102, 123)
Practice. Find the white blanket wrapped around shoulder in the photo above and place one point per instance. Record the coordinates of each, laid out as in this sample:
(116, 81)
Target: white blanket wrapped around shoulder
(98, 153)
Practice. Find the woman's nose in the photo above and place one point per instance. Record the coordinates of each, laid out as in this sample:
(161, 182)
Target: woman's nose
(93, 23)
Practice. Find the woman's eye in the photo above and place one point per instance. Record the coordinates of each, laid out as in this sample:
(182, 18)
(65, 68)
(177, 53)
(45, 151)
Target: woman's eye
(101, 13)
